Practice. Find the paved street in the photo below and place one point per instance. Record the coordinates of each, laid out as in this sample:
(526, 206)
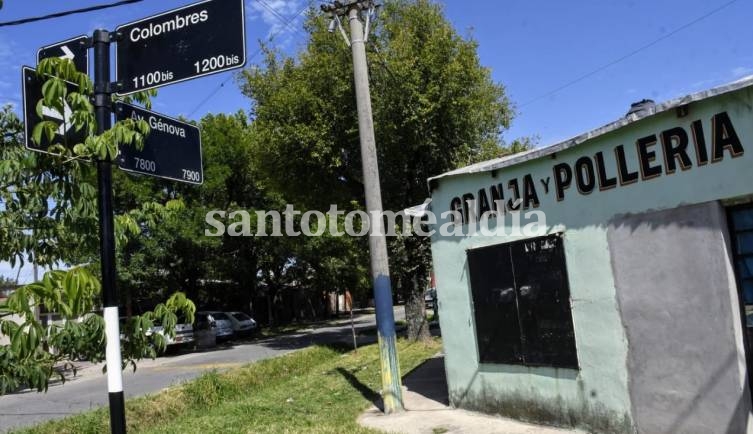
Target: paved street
(89, 389)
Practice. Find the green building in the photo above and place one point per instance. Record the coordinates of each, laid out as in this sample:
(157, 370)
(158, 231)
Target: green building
(611, 288)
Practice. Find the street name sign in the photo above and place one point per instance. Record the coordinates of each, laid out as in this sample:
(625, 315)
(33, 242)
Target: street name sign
(32, 94)
(193, 41)
(76, 49)
(172, 150)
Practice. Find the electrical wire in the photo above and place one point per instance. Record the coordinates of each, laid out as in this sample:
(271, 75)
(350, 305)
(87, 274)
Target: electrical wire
(254, 54)
(630, 54)
(66, 13)
(285, 23)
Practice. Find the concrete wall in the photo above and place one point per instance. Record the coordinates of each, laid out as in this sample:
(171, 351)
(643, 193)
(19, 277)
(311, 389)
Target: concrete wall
(598, 395)
(679, 305)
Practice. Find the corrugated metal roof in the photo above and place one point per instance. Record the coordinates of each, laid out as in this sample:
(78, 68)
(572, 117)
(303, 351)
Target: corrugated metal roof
(533, 154)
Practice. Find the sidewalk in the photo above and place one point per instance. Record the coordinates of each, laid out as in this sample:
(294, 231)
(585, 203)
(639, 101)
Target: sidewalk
(427, 410)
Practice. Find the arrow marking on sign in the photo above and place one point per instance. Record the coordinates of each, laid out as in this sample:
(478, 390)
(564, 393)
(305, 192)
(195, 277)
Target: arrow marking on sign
(63, 117)
(68, 54)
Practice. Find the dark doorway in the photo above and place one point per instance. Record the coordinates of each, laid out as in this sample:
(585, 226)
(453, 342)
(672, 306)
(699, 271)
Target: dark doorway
(741, 234)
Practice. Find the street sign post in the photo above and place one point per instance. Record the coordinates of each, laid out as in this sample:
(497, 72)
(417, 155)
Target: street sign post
(172, 150)
(197, 40)
(76, 49)
(32, 94)
(190, 42)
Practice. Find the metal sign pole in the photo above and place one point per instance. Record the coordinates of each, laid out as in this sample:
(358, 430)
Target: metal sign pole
(102, 104)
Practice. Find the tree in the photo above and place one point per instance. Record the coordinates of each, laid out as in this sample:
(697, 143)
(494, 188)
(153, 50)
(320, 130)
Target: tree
(176, 252)
(48, 216)
(435, 108)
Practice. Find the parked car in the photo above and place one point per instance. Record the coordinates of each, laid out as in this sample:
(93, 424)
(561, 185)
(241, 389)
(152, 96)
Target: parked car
(218, 322)
(243, 325)
(183, 333)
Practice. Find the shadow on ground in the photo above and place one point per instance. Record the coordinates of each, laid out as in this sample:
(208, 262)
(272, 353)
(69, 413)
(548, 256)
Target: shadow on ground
(427, 380)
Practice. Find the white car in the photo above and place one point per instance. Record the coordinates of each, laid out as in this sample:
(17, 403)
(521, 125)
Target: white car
(243, 324)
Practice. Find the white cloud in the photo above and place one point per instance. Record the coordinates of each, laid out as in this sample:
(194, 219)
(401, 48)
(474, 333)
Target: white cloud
(276, 13)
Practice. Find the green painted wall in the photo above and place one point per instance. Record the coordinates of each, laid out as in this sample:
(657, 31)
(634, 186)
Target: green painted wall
(595, 396)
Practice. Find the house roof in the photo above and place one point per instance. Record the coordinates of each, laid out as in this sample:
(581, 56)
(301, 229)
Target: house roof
(533, 154)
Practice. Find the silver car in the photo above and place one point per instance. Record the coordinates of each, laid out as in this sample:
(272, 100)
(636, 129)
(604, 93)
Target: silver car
(218, 322)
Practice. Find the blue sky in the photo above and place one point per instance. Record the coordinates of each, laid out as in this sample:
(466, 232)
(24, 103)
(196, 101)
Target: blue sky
(532, 47)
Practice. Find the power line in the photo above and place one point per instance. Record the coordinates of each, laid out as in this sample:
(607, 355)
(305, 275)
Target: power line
(286, 23)
(630, 54)
(66, 13)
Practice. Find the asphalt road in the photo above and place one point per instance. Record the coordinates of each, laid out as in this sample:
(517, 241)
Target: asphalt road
(88, 389)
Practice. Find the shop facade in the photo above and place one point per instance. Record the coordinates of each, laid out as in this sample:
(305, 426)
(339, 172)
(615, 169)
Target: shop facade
(626, 309)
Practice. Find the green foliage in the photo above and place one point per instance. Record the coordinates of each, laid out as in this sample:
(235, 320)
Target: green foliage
(435, 108)
(48, 208)
(70, 293)
(36, 349)
(127, 132)
(139, 339)
(48, 215)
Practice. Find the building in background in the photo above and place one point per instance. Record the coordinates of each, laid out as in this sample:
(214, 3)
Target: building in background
(627, 310)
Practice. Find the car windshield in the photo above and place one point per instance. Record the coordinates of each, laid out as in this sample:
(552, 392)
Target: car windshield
(240, 316)
(220, 316)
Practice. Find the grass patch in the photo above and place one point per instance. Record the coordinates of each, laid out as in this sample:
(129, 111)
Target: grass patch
(321, 389)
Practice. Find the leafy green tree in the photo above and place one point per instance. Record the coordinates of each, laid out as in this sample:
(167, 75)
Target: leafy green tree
(48, 216)
(230, 185)
(435, 108)
(46, 208)
(175, 253)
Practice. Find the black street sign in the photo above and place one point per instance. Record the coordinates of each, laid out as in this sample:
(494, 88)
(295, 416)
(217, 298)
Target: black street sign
(197, 40)
(32, 94)
(76, 49)
(172, 150)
